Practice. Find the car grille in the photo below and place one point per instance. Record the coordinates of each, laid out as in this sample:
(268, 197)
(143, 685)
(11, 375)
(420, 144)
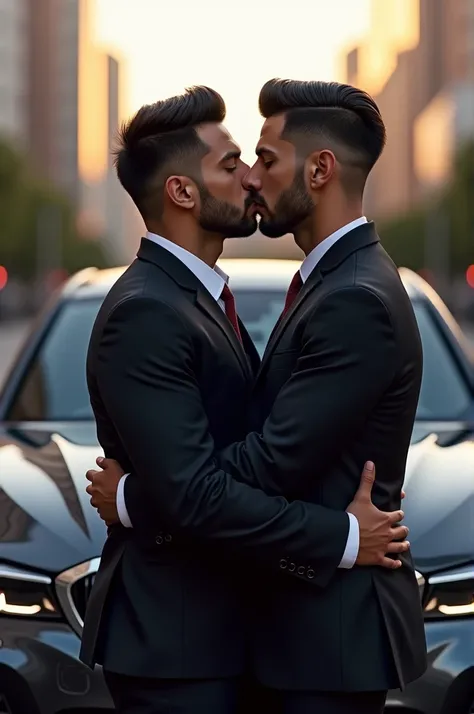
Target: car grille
(73, 588)
(80, 593)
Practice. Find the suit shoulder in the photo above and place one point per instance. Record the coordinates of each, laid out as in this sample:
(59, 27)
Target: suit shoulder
(141, 279)
(133, 296)
(355, 296)
(375, 271)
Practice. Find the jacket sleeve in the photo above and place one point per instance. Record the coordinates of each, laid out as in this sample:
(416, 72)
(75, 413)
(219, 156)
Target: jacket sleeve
(347, 361)
(146, 381)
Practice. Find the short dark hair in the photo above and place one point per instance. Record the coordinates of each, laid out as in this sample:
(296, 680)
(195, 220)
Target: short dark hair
(345, 116)
(160, 140)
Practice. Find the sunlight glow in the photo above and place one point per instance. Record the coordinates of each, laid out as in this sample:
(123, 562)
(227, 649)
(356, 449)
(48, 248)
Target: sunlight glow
(232, 47)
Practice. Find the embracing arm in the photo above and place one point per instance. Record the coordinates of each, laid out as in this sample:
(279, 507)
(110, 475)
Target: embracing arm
(144, 372)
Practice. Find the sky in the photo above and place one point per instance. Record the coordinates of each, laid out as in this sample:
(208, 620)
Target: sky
(169, 45)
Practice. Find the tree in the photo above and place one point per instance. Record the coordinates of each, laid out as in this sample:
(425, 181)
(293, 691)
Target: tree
(26, 203)
(458, 203)
(13, 202)
(405, 236)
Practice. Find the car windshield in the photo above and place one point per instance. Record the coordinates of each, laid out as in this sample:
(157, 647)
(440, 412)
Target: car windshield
(54, 387)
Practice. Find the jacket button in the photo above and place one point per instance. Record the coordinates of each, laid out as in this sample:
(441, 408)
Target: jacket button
(310, 573)
(283, 563)
(301, 570)
(168, 538)
(159, 540)
(291, 568)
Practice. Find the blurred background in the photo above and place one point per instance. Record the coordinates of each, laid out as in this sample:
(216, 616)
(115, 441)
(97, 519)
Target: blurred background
(72, 70)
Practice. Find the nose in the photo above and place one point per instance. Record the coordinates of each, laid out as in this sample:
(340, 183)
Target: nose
(251, 182)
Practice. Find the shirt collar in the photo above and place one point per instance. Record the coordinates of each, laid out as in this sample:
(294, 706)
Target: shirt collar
(213, 279)
(313, 258)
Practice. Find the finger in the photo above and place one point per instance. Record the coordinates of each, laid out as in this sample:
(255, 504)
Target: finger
(403, 494)
(93, 502)
(90, 490)
(391, 564)
(396, 517)
(398, 547)
(91, 474)
(99, 461)
(367, 479)
(107, 463)
(399, 533)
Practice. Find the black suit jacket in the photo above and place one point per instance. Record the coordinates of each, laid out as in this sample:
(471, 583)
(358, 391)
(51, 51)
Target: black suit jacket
(338, 384)
(169, 383)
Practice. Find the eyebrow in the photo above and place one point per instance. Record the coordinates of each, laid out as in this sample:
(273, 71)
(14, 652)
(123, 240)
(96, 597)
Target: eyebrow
(264, 150)
(233, 154)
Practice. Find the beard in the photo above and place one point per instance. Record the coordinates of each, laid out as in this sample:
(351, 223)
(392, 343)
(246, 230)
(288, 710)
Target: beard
(225, 218)
(292, 208)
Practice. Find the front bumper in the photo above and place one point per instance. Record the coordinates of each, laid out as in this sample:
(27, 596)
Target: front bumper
(447, 687)
(40, 672)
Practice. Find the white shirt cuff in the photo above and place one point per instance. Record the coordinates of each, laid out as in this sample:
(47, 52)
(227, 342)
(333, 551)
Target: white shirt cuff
(121, 507)
(352, 546)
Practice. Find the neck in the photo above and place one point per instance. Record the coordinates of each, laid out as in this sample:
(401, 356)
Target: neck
(324, 222)
(206, 246)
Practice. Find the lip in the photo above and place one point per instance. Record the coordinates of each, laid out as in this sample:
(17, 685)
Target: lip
(253, 209)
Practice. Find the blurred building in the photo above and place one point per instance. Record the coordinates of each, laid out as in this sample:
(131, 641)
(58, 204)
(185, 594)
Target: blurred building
(124, 223)
(43, 78)
(418, 63)
(74, 110)
(13, 72)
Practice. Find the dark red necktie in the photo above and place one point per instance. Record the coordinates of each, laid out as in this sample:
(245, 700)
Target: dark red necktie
(230, 311)
(295, 286)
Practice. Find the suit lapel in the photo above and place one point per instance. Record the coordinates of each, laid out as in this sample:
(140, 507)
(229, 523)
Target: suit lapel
(185, 278)
(212, 309)
(250, 349)
(347, 245)
(311, 284)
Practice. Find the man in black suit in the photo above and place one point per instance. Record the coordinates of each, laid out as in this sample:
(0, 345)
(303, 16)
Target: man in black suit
(170, 372)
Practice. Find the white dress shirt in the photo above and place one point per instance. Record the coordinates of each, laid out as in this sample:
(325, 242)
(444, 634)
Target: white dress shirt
(214, 280)
(313, 258)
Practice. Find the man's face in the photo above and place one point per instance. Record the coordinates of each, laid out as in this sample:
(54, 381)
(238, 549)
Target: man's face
(226, 206)
(277, 178)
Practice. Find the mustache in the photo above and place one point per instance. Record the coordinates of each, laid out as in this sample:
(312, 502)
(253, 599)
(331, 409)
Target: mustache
(255, 199)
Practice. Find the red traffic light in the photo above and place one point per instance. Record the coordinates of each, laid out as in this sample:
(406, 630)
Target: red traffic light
(470, 276)
(3, 277)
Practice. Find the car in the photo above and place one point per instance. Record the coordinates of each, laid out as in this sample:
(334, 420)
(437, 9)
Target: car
(51, 538)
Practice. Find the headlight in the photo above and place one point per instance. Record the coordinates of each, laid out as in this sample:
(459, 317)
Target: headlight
(451, 594)
(25, 594)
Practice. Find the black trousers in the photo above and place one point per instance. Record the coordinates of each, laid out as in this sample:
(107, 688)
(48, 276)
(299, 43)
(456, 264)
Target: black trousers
(276, 702)
(135, 695)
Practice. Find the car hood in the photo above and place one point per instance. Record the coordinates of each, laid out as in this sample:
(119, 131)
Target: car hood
(47, 522)
(439, 505)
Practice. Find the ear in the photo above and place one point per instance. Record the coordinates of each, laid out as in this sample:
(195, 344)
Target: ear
(321, 167)
(181, 191)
